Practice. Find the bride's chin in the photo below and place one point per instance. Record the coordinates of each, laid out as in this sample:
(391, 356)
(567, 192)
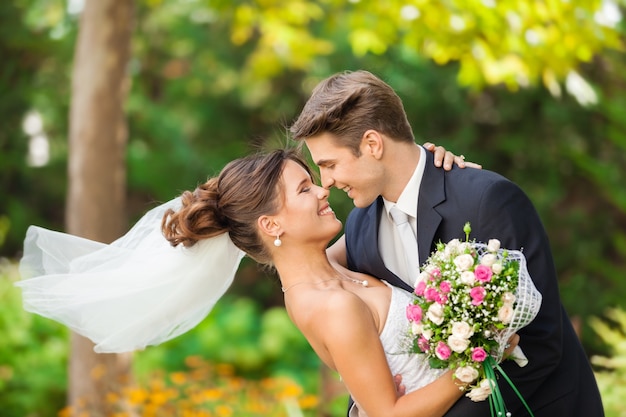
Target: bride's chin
(336, 230)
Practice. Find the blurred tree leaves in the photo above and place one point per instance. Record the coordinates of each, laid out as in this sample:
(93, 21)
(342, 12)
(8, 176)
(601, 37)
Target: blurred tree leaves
(513, 42)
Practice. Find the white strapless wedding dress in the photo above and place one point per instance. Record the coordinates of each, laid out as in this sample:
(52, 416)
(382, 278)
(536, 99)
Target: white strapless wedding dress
(414, 368)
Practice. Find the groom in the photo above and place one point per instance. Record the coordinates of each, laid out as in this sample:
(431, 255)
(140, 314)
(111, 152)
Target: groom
(357, 132)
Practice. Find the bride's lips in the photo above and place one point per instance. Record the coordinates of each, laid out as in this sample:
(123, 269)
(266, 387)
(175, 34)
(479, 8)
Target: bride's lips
(325, 210)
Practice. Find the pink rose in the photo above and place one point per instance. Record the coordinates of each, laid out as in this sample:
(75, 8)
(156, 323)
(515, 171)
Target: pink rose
(442, 299)
(422, 343)
(419, 288)
(445, 287)
(483, 273)
(479, 354)
(431, 294)
(414, 312)
(478, 295)
(443, 351)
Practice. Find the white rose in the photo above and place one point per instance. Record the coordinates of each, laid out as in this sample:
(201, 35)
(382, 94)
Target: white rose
(508, 297)
(467, 277)
(497, 268)
(464, 247)
(452, 248)
(493, 245)
(488, 259)
(462, 329)
(481, 392)
(454, 243)
(457, 344)
(429, 269)
(466, 374)
(505, 313)
(435, 313)
(464, 262)
(423, 276)
(427, 333)
(417, 327)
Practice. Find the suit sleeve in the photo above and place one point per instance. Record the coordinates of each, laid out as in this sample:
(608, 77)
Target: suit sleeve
(507, 214)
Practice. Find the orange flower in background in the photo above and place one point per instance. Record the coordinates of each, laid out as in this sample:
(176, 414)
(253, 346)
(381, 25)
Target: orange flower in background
(219, 393)
(178, 378)
(112, 397)
(225, 369)
(136, 395)
(98, 372)
(195, 361)
(290, 390)
(309, 402)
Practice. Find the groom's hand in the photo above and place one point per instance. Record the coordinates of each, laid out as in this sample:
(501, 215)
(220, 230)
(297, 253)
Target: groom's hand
(400, 389)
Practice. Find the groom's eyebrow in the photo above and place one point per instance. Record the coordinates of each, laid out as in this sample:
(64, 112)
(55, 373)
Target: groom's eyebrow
(323, 162)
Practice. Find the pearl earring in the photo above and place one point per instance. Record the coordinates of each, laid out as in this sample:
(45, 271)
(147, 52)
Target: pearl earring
(278, 242)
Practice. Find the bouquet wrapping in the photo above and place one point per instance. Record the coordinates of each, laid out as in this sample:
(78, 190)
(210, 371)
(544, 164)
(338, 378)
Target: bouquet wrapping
(470, 299)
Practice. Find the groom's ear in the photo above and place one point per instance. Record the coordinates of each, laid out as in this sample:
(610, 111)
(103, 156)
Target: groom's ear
(372, 143)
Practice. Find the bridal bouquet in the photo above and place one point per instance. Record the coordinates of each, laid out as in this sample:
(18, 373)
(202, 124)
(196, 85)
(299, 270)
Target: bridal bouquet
(471, 297)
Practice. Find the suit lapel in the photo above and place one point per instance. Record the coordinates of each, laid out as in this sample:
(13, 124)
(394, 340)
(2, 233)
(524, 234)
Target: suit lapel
(428, 219)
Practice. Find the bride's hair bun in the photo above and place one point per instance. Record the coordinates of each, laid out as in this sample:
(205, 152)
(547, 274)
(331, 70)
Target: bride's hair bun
(246, 189)
(198, 218)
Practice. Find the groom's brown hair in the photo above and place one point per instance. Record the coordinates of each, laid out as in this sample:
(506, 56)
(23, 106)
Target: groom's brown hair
(349, 103)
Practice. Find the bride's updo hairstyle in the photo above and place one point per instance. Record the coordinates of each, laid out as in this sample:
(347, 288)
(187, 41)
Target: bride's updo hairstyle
(246, 189)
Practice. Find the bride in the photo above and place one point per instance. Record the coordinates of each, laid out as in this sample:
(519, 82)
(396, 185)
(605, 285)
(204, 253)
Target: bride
(143, 290)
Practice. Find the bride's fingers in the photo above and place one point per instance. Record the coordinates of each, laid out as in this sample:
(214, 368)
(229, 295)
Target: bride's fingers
(511, 344)
(439, 153)
(442, 157)
(447, 159)
(460, 161)
(469, 164)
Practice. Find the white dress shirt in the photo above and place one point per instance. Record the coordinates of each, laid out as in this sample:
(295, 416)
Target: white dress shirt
(389, 242)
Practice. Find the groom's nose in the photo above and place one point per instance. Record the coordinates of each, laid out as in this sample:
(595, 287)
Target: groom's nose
(326, 180)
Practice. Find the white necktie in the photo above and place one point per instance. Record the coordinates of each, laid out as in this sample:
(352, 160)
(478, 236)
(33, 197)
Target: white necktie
(409, 242)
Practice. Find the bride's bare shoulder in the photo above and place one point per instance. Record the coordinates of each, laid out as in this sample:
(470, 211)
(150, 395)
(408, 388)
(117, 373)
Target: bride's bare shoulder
(332, 312)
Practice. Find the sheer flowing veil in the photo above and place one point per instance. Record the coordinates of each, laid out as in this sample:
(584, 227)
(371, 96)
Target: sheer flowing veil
(134, 292)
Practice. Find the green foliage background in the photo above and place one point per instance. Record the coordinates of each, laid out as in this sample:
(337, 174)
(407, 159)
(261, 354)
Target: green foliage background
(214, 80)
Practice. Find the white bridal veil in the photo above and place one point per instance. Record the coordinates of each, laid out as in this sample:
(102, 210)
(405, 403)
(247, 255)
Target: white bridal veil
(135, 292)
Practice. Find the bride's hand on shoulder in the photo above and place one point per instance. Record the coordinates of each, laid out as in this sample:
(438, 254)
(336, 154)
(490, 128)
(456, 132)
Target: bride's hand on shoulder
(446, 158)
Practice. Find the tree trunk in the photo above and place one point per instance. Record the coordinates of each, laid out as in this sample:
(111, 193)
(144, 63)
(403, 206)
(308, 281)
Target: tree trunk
(97, 173)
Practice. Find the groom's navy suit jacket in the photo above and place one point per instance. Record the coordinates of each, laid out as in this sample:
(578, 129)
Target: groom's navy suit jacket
(558, 380)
